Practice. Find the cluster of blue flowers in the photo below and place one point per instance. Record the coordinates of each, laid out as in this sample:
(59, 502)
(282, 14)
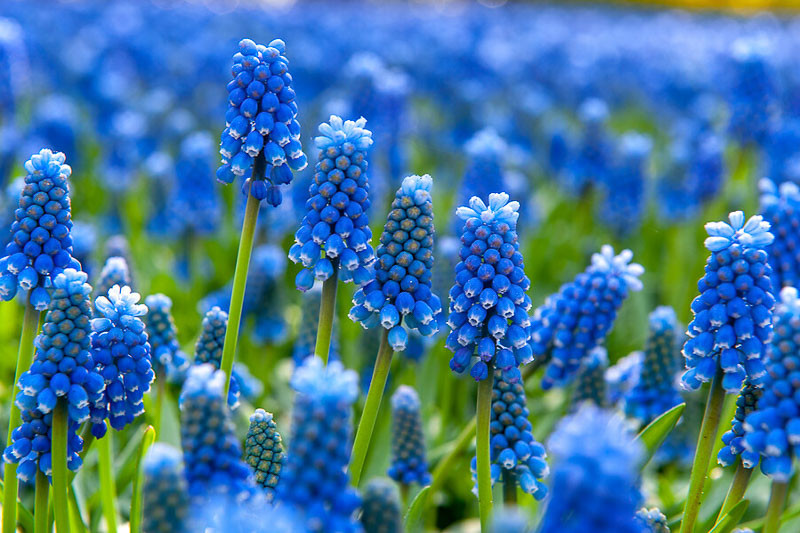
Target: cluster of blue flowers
(652, 520)
(41, 244)
(263, 451)
(305, 342)
(194, 205)
(753, 92)
(772, 430)
(62, 370)
(733, 313)
(576, 319)
(261, 122)
(596, 487)
(590, 380)
(488, 305)
(624, 202)
(733, 439)
(165, 493)
(211, 449)
(780, 206)
(400, 294)
(655, 391)
(514, 450)
(335, 231)
(484, 173)
(121, 354)
(408, 440)
(590, 164)
(623, 376)
(114, 272)
(169, 361)
(208, 348)
(381, 511)
(315, 480)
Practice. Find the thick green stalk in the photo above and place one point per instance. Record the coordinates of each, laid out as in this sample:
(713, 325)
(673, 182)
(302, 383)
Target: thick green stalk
(108, 494)
(327, 310)
(59, 458)
(736, 492)
(702, 456)
(159, 405)
(484, 415)
(371, 406)
(240, 276)
(777, 498)
(138, 480)
(30, 324)
(509, 488)
(40, 505)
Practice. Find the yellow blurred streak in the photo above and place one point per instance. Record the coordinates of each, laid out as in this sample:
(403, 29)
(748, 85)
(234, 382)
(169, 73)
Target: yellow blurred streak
(745, 6)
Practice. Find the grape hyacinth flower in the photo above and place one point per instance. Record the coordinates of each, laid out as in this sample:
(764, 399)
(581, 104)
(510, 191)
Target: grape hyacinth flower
(335, 232)
(84, 244)
(195, 205)
(261, 122)
(169, 361)
(121, 353)
(304, 343)
(590, 165)
(576, 319)
(753, 92)
(114, 272)
(488, 306)
(623, 376)
(623, 204)
(733, 313)
(772, 429)
(381, 510)
(211, 450)
(208, 348)
(590, 380)
(73, 379)
(651, 520)
(41, 245)
(517, 458)
(263, 451)
(733, 439)
(484, 173)
(594, 488)
(315, 480)
(780, 206)
(655, 391)
(408, 440)
(166, 496)
(401, 292)
(250, 386)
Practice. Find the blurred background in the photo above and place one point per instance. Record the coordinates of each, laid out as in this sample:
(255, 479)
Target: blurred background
(625, 124)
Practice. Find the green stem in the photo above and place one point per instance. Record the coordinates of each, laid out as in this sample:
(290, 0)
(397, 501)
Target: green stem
(702, 457)
(484, 411)
(24, 516)
(138, 480)
(445, 466)
(159, 405)
(59, 459)
(736, 492)
(240, 276)
(40, 505)
(327, 310)
(371, 406)
(509, 488)
(108, 495)
(88, 440)
(777, 498)
(30, 323)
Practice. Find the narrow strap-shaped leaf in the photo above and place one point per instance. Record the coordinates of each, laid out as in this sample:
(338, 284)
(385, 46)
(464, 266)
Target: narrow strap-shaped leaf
(414, 513)
(136, 500)
(656, 431)
(730, 520)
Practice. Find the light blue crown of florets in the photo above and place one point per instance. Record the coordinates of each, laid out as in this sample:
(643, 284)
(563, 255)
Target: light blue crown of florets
(618, 265)
(500, 209)
(337, 131)
(121, 302)
(331, 383)
(486, 143)
(47, 164)
(751, 234)
(419, 187)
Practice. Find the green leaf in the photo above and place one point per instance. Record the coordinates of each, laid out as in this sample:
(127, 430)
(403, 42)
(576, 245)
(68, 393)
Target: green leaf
(730, 520)
(138, 480)
(654, 434)
(414, 513)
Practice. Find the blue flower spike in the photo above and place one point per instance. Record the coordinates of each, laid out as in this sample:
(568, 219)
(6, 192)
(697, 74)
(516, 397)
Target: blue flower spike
(408, 440)
(169, 361)
(208, 348)
(121, 353)
(733, 439)
(488, 316)
(400, 293)
(263, 451)
(315, 481)
(41, 244)
(772, 430)
(165, 493)
(261, 122)
(655, 391)
(115, 272)
(652, 520)
(335, 231)
(590, 381)
(514, 450)
(733, 313)
(594, 487)
(576, 319)
(381, 507)
(63, 368)
(780, 207)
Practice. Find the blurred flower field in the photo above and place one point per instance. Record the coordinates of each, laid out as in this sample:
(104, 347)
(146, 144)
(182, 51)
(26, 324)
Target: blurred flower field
(500, 212)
